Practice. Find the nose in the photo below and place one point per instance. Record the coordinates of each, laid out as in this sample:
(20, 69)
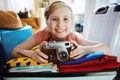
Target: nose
(60, 23)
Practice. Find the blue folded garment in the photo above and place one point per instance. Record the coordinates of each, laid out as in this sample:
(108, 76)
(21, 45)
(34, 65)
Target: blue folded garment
(11, 38)
(87, 57)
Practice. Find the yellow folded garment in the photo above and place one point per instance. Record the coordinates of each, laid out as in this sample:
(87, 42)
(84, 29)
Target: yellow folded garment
(18, 62)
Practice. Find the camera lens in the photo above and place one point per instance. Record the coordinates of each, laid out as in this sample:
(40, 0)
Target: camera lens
(63, 56)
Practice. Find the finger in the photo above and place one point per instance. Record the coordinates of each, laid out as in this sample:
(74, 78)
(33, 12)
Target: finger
(42, 44)
(40, 59)
(74, 43)
(78, 56)
(41, 54)
(73, 47)
(75, 52)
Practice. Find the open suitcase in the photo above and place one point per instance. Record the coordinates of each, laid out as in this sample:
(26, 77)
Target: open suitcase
(99, 75)
(111, 71)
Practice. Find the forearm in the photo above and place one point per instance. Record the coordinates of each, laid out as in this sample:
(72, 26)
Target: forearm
(18, 52)
(79, 50)
(97, 48)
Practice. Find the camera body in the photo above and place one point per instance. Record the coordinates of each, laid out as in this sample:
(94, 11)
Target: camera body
(57, 51)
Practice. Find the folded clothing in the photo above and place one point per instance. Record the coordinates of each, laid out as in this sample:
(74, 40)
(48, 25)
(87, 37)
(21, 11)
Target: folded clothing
(87, 57)
(93, 68)
(12, 38)
(101, 63)
(25, 64)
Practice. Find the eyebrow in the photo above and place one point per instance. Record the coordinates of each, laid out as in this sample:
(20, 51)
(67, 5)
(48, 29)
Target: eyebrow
(57, 16)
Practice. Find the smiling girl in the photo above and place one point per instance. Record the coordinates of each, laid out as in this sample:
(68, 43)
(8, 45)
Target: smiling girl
(59, 20)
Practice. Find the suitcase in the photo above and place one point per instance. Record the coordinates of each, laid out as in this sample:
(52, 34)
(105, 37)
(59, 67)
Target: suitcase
(99, 75)
(46, 72)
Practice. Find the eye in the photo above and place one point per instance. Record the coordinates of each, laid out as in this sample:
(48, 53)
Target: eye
(54, 19)
(65, 19)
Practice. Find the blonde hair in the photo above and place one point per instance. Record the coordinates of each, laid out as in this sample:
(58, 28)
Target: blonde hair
(55, 5)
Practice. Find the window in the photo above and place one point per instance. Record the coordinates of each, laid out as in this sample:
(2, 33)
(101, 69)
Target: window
(16, 5)
(77, 6)
(113, 1)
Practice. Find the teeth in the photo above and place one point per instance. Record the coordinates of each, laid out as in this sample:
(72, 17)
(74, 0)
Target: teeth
(60, 30)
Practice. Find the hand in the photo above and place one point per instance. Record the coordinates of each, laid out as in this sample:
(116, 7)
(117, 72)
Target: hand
(39, 56)
(77, 50)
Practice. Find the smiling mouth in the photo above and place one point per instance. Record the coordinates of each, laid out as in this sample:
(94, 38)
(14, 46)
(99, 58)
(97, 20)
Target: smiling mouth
(60, 31)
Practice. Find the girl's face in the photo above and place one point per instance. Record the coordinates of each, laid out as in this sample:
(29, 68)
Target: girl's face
(60, 23)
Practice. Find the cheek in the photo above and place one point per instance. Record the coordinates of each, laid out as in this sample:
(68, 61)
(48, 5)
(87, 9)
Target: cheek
(70, 26)
(51, 23)
(51, 26)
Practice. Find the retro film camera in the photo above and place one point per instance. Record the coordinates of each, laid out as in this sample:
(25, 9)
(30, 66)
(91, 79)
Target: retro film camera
(57, 51)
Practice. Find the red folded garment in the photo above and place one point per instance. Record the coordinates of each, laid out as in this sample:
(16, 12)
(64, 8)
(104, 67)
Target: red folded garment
(102, 63)
(106, 66)
(98, 61)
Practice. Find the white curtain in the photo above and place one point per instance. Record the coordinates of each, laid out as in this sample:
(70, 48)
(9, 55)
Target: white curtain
(3, 5)
(90, 4)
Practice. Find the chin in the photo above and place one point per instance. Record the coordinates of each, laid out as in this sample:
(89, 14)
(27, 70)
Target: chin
(61, 37)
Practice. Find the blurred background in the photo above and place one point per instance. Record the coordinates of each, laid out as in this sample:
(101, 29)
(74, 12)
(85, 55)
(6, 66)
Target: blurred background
(103, 27)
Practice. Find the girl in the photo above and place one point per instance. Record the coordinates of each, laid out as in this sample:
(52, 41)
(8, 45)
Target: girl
(59, 20)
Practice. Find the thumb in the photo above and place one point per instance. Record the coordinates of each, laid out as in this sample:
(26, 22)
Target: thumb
(74, 43)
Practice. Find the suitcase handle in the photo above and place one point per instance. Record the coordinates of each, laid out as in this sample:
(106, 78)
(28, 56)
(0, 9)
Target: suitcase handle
(102, 10)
